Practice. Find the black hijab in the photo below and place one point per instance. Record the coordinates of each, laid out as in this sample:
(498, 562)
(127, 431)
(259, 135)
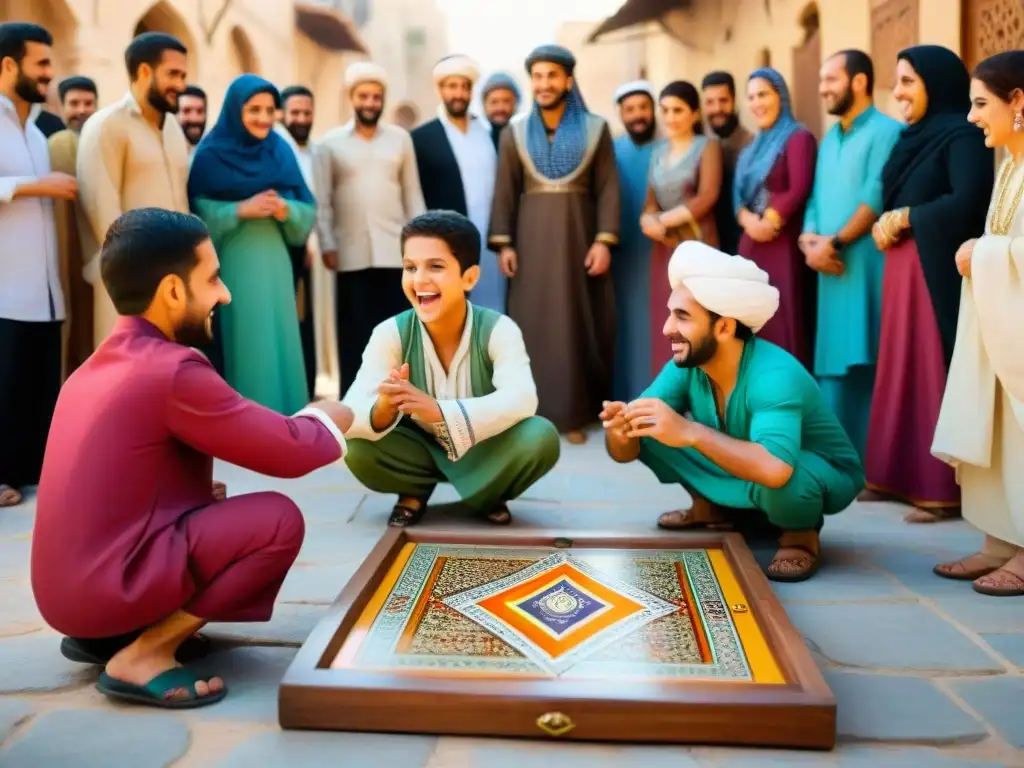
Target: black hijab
(930, 154)
(948, 85)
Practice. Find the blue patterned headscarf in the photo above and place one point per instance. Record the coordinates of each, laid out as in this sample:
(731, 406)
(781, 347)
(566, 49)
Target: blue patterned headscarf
(232, 164)
(758, 158)
(563, 155)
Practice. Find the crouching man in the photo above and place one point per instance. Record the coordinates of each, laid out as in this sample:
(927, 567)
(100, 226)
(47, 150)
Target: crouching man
(133, 551)
(736, 420)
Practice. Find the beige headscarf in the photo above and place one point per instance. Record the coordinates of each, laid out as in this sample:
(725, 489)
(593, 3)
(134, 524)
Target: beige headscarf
(730, 286)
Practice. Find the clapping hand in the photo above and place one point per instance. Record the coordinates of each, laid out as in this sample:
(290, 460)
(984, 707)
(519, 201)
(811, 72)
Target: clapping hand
(613, 419)
(654, 418)
(397, 394)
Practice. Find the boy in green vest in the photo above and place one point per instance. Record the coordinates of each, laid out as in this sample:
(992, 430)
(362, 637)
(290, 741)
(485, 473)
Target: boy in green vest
(445, 392)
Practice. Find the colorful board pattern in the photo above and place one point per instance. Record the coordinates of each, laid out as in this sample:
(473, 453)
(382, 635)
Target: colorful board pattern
(491, 611)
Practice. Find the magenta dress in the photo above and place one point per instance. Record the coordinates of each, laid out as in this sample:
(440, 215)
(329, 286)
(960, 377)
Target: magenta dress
(789, 186)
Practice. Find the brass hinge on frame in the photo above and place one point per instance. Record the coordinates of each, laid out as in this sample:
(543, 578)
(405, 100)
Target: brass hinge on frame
(562, 543)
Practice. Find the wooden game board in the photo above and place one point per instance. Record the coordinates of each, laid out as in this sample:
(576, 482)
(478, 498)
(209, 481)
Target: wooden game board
(675, 638)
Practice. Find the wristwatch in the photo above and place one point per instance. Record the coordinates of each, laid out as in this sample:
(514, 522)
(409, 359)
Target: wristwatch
(837, 243)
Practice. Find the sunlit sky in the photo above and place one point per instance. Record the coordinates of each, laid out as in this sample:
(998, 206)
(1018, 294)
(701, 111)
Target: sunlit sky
(499, 33)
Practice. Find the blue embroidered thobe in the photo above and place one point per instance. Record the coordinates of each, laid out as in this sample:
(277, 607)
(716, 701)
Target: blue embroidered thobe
(848, 175)
(478, 166)
(631, 272)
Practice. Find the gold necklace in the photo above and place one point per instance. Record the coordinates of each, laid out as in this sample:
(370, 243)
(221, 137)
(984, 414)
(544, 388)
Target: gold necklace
(1000, 223)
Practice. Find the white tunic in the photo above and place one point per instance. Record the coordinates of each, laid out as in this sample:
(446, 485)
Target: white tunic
(980, 430)
(478, 167)
(30, 287)
(470, 420)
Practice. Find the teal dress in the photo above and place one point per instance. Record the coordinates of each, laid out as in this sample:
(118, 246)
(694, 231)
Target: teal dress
(777, 404)
(848, 175)
(259, 329)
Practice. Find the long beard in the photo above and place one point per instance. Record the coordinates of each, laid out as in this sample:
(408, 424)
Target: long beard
(300, 132)
(28, 89)
(641, 132)
(729, 128)
(699, 354)
(159, 103)
(368, 117)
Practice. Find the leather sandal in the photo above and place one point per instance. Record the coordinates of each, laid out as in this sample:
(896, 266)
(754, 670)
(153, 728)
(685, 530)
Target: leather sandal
(1000, 583)
(9, 496)
(791, 569)
(686, 520)
(957, 571)
(500, 515)
(403, 515)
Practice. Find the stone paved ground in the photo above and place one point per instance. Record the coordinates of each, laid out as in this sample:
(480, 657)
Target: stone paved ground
(927, 673)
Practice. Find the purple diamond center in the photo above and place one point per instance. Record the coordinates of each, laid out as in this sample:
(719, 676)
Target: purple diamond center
(560, 607)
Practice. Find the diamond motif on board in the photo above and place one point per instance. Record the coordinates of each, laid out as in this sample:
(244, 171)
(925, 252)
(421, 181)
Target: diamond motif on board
(559, 610)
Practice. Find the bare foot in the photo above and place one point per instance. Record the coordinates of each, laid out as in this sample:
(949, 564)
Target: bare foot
(576, 437)
(969, 568)
(9, 497)
(138, 666)
(925, 516)
(871, 496)
(220, 491)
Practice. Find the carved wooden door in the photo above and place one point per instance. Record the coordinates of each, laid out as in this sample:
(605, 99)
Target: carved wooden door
(806, 66)
(990, 27)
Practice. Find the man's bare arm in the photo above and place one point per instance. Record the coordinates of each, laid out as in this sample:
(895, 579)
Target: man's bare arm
(740, 458)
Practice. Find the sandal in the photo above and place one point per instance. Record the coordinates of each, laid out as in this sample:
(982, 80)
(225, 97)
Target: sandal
(157, 692)
(9, 497)
(403, 515)
(792, 569)
(958, 570)
(500, 515)
(99, 652)
(1000, 583)
(681, 519)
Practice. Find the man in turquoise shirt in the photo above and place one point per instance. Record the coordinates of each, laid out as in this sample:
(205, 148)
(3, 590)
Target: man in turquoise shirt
(734, 419)
(845, 203)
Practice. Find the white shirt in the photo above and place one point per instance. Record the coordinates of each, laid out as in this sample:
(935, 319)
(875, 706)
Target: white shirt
(478, 166)
(29, 263)
(469, 419)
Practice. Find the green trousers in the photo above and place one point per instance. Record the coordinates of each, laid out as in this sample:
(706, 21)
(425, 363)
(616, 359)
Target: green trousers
(409, 462)
(816, 488)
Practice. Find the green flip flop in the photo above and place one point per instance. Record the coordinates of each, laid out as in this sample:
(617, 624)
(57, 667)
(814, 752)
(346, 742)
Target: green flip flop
(154, 693)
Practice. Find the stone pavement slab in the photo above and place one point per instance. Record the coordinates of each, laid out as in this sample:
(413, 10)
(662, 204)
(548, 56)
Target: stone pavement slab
(883, 636)
(98, 739)
(1010, 646)
(12, 712)
(998, 701)
(923, 668)
(297, 749)
(898, 708)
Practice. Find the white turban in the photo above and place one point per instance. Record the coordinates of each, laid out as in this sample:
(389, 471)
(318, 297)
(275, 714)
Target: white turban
(730, 286)
(456, 65)
(365, 72)
(631, 89)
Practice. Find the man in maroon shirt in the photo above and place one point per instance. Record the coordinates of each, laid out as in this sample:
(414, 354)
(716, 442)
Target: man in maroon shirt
(132, 553)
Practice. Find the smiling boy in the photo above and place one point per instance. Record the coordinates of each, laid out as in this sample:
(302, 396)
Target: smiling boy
(445, 392)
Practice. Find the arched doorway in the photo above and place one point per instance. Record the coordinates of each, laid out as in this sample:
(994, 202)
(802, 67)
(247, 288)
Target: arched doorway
(163, 17)
(406, 116)
(806, 66)
(990, 27)
(242, 53)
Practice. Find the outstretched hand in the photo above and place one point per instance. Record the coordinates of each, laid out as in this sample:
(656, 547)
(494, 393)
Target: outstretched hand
(613, 419)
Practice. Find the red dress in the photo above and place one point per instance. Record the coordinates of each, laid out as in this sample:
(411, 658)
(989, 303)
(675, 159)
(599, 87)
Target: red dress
(127, 531)
(789, 186)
